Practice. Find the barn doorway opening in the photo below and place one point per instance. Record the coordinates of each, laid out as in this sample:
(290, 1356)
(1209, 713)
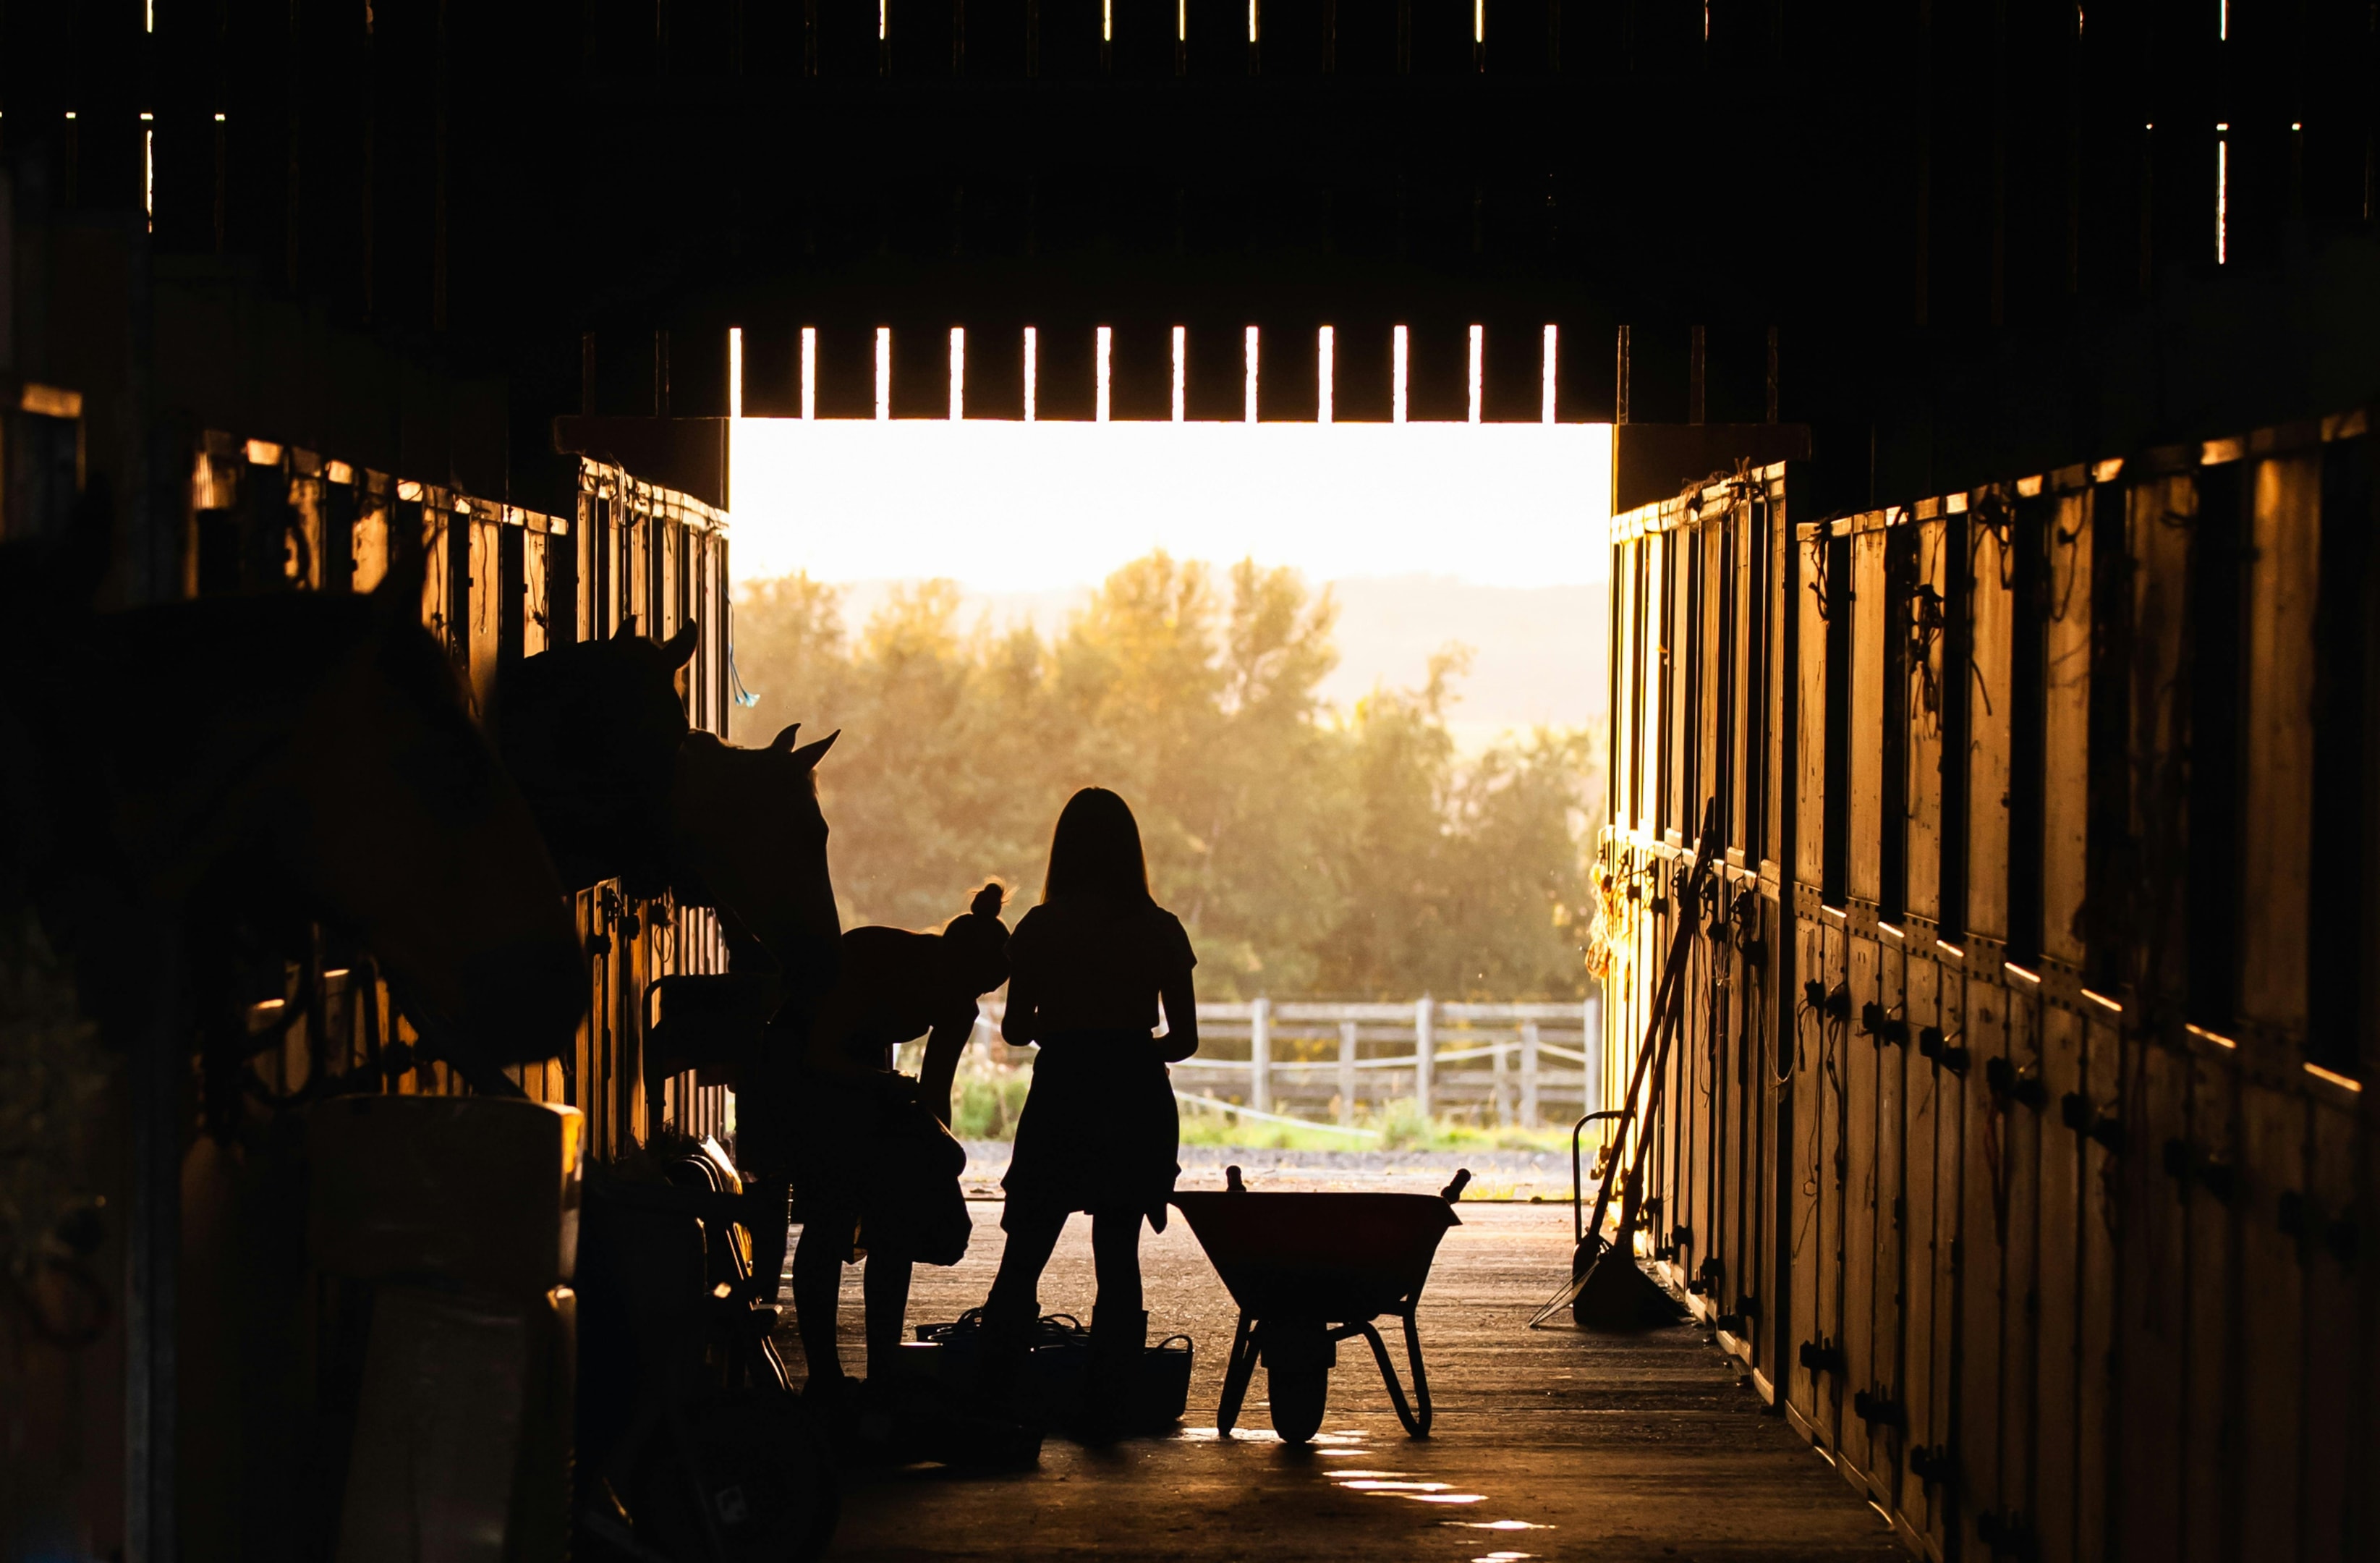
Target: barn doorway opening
(1352, 675)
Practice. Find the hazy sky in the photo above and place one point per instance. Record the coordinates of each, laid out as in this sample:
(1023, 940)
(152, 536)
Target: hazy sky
(1009, 507)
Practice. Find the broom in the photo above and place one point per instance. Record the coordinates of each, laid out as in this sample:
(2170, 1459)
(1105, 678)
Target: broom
(1606, 1290)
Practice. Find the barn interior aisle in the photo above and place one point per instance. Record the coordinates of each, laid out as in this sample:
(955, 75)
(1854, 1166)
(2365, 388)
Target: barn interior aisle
(1549, 1443)
(563, 562)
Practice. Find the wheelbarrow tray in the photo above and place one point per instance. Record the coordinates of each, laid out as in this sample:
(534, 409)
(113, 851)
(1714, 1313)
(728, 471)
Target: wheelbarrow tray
(1311, 1269)
(1342, 1258)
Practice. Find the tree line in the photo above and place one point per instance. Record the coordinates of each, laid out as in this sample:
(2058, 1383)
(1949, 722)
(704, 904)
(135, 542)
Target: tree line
(1310, 850)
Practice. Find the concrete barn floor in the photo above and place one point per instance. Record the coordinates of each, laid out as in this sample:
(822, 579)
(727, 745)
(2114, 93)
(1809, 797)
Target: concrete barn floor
(1547, 1444)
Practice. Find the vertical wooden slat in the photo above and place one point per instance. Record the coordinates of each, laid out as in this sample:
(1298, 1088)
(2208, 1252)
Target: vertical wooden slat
(1627, 682)
(1739, 724)
(2276, 821)
(2274, 1132)
(1803, 677)
(1806, 788)
(2066, 728)
(636, 558)
(1991, 609)
(1804, 1239)
(1827, 1179)
(1652, 691)
(2209, 1506)
(485, 608)
(537, 591)
(1678, 581)
(2058, 1369)
(1921, 620)
(1950, 1262)
(2161, 511)
(1761, 1285)
(1733, 1198)
(2152, 1329)
(1710, 1102)
(1924, 1244)
(1855, 1153)
(2098, 1415)
(1889, 1442)
(1863, 870)
(2338, 1335)
(1854, 1083)
(1982, 1249)
(2021, 1303)
(2150, 1406)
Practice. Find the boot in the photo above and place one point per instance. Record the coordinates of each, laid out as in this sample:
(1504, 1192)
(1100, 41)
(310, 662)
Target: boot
(1111, 1377)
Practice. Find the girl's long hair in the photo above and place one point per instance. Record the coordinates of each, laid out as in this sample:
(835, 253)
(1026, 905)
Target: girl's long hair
(1096, 850)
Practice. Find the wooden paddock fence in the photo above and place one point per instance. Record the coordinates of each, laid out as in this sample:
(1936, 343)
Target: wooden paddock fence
(2017, 1134)
(1510, 1065)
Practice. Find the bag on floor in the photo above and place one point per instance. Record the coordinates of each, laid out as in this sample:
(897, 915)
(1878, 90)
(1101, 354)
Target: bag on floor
(1057, 1364)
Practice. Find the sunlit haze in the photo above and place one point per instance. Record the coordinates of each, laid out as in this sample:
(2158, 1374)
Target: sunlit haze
(1008, 506)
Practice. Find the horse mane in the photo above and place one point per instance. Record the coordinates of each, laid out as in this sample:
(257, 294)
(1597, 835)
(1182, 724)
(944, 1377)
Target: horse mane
(591, 732)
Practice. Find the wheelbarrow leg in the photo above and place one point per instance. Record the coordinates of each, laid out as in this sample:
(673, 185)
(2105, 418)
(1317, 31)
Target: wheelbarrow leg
(1420, 1373)
(1417, 1425)
(1238, 1368)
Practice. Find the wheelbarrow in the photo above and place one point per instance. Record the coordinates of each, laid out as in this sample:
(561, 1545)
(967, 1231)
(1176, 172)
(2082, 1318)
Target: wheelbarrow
(1310, 1270)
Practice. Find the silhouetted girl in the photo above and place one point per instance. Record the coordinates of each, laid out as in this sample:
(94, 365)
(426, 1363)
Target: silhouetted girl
(1098, 1132)
(874, 1166)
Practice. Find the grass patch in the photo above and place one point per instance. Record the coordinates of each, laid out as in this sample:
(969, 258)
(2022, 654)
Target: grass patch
(1208, 1125)
(986, 1104)
(1398, 1125)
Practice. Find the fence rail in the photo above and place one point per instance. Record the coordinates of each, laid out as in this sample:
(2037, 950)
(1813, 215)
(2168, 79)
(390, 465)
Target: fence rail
(1305, 1059)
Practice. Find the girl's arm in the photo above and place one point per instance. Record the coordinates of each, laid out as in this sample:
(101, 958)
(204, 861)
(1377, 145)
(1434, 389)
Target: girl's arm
(943, 1045)
(826, 1057)
(1181, 1038)
(1019, 1023)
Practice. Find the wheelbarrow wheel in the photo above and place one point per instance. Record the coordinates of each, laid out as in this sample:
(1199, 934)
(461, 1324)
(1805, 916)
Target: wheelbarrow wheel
(1298, 1396)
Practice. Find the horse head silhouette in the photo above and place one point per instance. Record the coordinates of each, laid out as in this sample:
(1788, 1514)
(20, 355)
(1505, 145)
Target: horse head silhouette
(747, 836)
(591, 732)
(622, 786)
(295, 758)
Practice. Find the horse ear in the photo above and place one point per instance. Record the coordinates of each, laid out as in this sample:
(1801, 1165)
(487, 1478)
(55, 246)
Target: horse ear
(678, 650)
(809, 754)
(784, 740)
(627, 630)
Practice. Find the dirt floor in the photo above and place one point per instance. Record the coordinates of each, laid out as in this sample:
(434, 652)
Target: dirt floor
(1549, 1443)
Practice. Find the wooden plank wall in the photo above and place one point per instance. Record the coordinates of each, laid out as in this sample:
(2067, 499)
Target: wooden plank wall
(501, 582)
(2017, 1138)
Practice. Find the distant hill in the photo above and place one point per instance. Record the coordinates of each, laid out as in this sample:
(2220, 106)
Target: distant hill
(1539, 652)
